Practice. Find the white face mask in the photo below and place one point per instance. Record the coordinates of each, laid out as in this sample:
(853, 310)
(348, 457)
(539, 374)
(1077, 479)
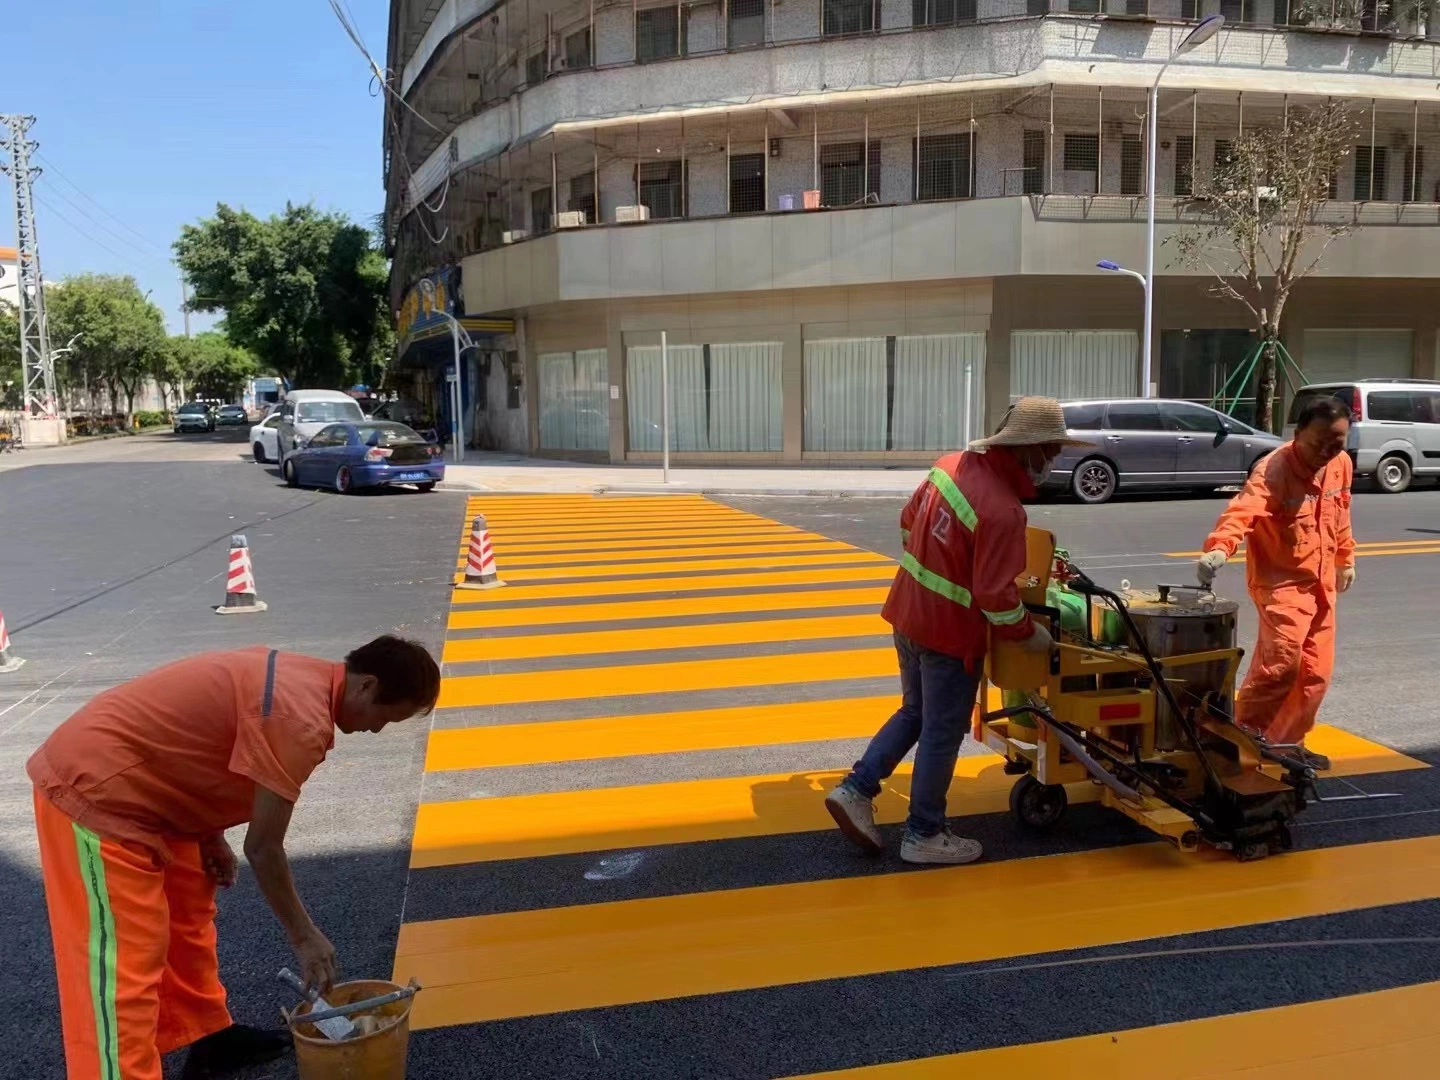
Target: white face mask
(1040, 475)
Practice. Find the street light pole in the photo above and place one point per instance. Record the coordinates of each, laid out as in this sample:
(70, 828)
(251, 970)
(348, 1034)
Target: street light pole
(457, 332)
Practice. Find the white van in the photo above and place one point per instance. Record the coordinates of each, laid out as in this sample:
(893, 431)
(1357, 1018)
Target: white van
(304, 412)
(1394, 427)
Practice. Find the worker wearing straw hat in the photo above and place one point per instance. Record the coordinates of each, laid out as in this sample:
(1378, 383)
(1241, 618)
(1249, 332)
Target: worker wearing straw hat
(963, 533)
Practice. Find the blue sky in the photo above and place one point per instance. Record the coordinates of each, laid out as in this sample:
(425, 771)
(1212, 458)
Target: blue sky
(158, 116)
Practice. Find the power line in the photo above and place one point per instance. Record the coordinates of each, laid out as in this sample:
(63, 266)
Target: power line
(80, 230)
(51, 167)
(109, 230)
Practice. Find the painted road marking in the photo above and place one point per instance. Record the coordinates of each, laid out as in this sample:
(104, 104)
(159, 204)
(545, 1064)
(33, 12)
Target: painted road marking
(788, 546)
(553, 960)
(636, 569)
(708, 582)
(688, 811)
(679, 541)
(1370, 547)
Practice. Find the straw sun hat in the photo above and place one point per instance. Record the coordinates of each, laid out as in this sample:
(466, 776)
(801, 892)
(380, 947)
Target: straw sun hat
(1031, 421)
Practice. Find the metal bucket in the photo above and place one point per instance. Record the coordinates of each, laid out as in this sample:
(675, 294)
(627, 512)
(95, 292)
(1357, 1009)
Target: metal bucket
(379, 1055)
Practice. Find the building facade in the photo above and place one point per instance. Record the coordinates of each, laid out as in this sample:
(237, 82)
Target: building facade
(864, 226)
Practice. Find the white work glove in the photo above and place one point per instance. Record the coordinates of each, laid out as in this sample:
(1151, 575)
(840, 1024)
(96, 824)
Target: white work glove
(1039, 640)
(1208, 565)
(1344, 577)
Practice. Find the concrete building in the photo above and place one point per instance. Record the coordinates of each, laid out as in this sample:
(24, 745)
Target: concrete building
(865, 225)
(10, 276)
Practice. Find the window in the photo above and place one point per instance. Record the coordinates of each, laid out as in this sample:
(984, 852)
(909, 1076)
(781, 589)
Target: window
(582, 196)
(1033, 160)
(514, 379)
(747, 24)
(1178, 417)
(1133, 416)
(1189, 9)
(323, 412)
(1224, 153)
(943, 167)
(1427, 411)
(1082, 154)
(1393, 405)
(1130, 165)
(535, 68)
(1414, 170)
(272, 421)
(1037, 7)
(941, 12)
(722, 397)
(847, 17)
(660, 188)
(844, 181)
(577, 49)
(747, 183)
(1137, 7)
(658, 34)
(1369, 173)
(1304, 397)
(574, 400)
(1085, 417)
(1238, 11)
(1084, 7)
(334, 435)
(1184, 165)
(540, 210)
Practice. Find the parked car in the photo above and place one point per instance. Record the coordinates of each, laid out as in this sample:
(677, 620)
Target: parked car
(304, 412)
(265, 439)
(1155, 443)
(1394, 427)
(194, 416)
(231, 416)
(372, 453)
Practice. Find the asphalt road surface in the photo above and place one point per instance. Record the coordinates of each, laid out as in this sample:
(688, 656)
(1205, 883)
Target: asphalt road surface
(619, 866)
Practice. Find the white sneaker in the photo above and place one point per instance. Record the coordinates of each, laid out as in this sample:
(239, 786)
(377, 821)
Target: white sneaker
(943, 849)
(855, 815)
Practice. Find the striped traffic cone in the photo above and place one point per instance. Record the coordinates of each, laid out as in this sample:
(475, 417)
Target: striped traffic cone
(480, 572)
(8, 660)
(240, 598)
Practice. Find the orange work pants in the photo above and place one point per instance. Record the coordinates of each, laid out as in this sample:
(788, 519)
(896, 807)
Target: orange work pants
(134, 949)
(1294, 659)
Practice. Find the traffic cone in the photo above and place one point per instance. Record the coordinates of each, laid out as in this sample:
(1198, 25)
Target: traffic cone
(480, 572)
(8, 660)
(240, 598)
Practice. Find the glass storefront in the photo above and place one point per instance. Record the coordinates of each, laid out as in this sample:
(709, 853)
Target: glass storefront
(723, 398)
(574, 400)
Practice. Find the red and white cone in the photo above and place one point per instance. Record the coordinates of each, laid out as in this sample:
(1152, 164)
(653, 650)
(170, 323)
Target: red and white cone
(240, 598)
(8, 660)
(480, 572)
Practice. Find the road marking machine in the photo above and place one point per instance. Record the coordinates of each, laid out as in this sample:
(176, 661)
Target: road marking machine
(1138, 697)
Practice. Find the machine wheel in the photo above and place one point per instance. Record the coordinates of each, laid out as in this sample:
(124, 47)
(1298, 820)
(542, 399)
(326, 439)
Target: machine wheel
(291, 476)
(429, 485)
(1037, 805)
(1094, 481)
(1393, 474)
(344, 482)
(259, 449)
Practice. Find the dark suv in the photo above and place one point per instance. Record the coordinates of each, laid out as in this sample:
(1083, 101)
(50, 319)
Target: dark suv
(1149, 444)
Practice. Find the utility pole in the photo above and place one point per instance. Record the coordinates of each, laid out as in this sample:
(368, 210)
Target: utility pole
(185, 305)
(38, 364)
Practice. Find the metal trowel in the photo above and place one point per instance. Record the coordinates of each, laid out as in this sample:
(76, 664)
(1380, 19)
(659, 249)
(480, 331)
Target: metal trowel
(335, 1028)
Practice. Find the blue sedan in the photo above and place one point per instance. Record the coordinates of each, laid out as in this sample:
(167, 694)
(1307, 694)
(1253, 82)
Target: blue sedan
(375, 453)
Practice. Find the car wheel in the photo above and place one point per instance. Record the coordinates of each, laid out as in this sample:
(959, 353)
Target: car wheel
(429, 485)
(291, 476)
(344, 482)
(1094, 481)
(259, 449)
(1393, 474)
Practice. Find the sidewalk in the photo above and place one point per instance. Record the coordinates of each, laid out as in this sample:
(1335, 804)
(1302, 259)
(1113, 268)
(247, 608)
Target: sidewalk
(514, 474)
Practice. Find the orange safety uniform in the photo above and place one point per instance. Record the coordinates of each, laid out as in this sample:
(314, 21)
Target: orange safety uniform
(1297, 522)
(964, 536)
(124, 790)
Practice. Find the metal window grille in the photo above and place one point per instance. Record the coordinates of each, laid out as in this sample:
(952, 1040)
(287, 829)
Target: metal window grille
(1364, 174)
(943, 165)
(1224, 153)
(658, 34)
(1037, 7)
(1414, 169)
(1033, 159)
(747, 183)
(942, 12)
(747, 23)
(540, 206)
(1189, 9)
(1082, 153)
(1184, 165)
(1137, 7)
(582, 196)
(842, 175)
(660, 184)
(1130, 164)
(535, 68)
(577, 49)
(1084, 7)
(1235, 11)
(1282, 12)
(1334, 191)
(848, 17)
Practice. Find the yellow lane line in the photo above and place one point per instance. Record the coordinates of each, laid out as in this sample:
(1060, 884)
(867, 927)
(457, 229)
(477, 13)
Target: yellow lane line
(1369, 547)
(594, 642)
(1388, 1033)
(591, 589)
(530, 687)
(674, 812)
(548, 961)
(572, 558)
(480, 618)
(655, 733)
(638, 569)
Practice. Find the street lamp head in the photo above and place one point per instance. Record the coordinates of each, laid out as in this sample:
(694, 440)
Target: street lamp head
(1204, 30)
(1106, 264)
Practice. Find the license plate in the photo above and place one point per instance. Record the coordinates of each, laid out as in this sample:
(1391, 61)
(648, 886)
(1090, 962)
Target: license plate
(414, 476)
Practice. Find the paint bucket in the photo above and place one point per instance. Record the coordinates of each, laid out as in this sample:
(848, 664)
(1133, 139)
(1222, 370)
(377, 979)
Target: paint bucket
(378, 1055)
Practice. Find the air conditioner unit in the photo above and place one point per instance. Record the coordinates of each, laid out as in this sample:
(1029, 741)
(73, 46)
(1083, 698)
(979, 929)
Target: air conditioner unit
(513, 236)
(570, 219)
(632, 213)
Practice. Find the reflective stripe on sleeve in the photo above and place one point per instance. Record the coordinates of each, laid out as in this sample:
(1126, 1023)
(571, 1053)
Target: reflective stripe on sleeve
(1006, 618)
(958, 503)
(935, 583)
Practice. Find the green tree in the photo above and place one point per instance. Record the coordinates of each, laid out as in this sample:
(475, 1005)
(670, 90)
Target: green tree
(209, 364)
(303, 291)
(11, 377)
(119, 333)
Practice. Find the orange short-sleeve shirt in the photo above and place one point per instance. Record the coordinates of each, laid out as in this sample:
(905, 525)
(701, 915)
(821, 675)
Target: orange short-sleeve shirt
(178, 752)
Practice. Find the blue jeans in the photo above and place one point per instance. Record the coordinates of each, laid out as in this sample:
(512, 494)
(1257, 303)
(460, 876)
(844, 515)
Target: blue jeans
(937, 698)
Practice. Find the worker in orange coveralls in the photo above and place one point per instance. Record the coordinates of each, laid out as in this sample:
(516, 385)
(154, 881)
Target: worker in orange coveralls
(133, 795)
(1295, 512)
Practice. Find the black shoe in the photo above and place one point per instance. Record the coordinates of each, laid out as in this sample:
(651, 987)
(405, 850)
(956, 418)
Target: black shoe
(237, 1047)
(1318, 762)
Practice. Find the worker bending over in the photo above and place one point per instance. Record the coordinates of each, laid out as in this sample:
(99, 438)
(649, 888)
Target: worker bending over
(1295, 513)
(963, 533)
(133, 795)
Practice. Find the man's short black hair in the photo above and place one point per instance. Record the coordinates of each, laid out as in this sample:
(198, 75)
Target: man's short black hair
(405, 669)
(1327, 409)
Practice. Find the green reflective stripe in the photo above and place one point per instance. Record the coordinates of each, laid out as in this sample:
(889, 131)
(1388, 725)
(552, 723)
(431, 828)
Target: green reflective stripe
(934, 582)
(1006, 618)
(102, 951)
(942, 480)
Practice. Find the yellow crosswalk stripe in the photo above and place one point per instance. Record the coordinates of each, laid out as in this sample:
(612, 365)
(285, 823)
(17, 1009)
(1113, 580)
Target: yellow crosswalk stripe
(800, 546)
(636, 569)
(681, 539)
(706, 582)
